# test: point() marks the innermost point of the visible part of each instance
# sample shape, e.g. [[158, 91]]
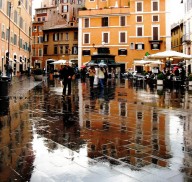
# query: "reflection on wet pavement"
[[121, 132]]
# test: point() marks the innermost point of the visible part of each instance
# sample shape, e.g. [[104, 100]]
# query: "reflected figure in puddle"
[[71, 128], [70, 116], [67, 110]]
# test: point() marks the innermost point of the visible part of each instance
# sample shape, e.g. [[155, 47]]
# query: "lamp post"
[[8, 53]]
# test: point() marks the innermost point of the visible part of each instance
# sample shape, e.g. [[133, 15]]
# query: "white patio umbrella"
[[61, 62], [156, 62], [147, 62], [141, 62], [169, 54]]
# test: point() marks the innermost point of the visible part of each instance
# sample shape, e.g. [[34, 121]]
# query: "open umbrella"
[[61, 62], [169, 54], [102, 65]]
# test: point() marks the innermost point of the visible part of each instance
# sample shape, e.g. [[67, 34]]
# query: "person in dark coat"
[[66, 74]]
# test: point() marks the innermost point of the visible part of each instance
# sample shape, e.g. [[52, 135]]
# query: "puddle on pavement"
[[125, 127]]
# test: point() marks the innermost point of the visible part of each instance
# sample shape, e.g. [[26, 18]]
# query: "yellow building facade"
[[130, 29], [15, 32]]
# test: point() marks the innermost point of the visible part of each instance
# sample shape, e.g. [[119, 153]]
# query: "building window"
[[86, 38], [40, 52], [3, 31], [21, 23], [139, 31], [40, 39], [122, 21], [75, 49], [20, 42], [55, 50], [155, 33], [75, 35], [155, 18], [8, 8], [15, 39], [105, 37], [67, 49], [86, 52], [45, 49], [139, 6], [155, 6], [7, 34], [15, 16], [122, 37], [79, 1], [65, 9], [86, 22], [1, 4], [46, 37], [67, 36], [122, 52], [105, 22], [139, 46], [61, 49], [55, 36], [139, 19], [61, 36]]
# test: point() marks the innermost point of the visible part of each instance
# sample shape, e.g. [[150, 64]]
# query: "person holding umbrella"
[[66, 74], [91, 72]]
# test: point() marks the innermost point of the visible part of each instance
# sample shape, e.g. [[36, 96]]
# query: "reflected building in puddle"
[[16, 153], [124, 130]]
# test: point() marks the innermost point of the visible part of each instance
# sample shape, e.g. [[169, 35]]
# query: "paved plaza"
[[124, 132]]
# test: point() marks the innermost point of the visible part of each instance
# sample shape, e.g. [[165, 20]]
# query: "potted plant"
[[160, 78], [38, 74]]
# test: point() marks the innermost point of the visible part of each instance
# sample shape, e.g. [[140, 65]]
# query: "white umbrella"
[[169, 54], [155, 62], [102, 64], [141, 62], [61, 61]]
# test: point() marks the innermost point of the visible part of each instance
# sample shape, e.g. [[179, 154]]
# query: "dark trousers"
[[91, 78], [67, 83]]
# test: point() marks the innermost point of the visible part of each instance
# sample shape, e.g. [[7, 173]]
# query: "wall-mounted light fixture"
[[93, 45]]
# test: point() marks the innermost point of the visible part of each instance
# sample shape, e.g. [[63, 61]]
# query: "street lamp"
[[8, 53]]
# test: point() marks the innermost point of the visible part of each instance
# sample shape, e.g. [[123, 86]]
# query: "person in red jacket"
[[66, 74]]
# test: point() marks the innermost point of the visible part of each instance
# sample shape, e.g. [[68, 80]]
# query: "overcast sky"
[[175, 9]]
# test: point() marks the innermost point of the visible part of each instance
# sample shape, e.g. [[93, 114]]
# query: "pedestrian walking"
[[101, 76], [83, 73], [66, 74], [91, 72]]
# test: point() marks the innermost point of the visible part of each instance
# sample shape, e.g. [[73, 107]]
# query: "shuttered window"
[[86, 38], [139, 6], [122, 21]]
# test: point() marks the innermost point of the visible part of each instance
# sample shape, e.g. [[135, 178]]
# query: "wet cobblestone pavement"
[[120, 133]]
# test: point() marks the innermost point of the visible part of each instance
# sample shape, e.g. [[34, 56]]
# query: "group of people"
[[101, 74], [67, 73]]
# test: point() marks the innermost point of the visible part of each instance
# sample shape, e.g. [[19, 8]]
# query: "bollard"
[[4, 106], [4, 85]]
